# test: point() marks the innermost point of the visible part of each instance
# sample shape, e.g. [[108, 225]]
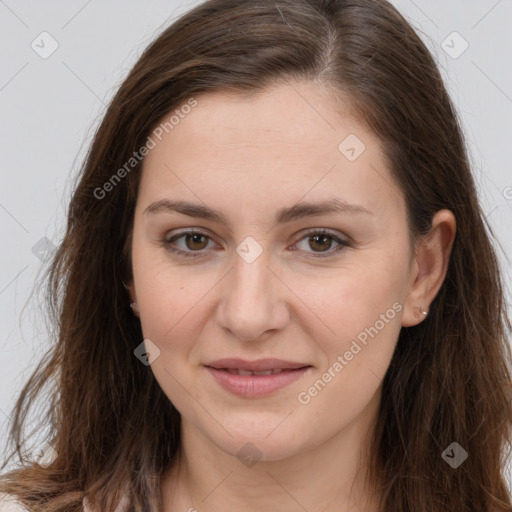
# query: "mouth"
[[240, 371], [254, 379], [258, 366]]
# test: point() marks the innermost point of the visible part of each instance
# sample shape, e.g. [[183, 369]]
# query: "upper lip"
[[260, 365]]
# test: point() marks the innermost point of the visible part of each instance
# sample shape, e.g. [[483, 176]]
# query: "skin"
[[249, 156]]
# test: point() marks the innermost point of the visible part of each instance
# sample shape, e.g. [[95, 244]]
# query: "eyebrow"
[[295, 212]]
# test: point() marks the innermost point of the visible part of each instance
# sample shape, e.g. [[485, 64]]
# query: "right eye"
[[194, 243]]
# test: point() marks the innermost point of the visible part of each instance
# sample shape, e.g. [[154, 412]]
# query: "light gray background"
[[51, 107]]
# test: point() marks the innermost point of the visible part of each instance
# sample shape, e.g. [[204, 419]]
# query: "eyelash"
[[190, 254]]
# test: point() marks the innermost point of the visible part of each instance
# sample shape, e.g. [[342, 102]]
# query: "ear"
[[133, 297], [428, 270]]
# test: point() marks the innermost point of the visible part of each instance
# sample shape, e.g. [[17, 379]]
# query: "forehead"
[[284, 143], [302, 114]]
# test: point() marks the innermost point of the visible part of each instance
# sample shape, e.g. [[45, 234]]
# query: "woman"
[[277, 289]]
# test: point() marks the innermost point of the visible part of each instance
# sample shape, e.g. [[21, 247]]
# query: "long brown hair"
[[113, 428]]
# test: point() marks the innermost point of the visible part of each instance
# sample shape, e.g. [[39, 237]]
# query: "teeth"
[[239, 371]]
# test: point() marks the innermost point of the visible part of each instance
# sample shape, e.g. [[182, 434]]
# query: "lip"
[[258, 365], [255, 386]]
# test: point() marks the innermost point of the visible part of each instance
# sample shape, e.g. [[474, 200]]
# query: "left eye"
[[322, 241], [196, 242]]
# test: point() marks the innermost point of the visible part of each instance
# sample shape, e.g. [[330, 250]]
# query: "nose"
[[253, 300]]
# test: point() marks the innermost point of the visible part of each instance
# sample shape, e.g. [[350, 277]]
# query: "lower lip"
[[255, 386]]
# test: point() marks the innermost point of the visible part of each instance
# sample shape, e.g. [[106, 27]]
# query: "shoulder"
[[8, 503]]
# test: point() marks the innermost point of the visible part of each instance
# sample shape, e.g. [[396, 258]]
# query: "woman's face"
[[300, 266]]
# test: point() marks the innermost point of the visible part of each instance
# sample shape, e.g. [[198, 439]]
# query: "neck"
[[332, 477]]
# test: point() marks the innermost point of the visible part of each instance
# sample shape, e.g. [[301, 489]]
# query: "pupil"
[[322, 237], [195, 239], [322, 240]]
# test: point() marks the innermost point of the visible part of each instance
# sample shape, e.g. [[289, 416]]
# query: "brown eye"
[[194, 245], [318, 242], [193, 241]]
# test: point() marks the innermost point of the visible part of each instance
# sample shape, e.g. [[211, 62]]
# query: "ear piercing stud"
[[132, 304], [419, 309]]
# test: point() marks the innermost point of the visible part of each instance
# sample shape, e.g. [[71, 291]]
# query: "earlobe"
[[419, 312], [135, 308], [413, 315], [432, 256], [130, 287]]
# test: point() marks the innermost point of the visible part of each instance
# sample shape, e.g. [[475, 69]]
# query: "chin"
[[261, 441], [250, 451]]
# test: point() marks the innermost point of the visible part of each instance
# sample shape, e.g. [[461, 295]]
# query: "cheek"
[[170, 305], [367, 290], [356, 358], [166, 291], [344, 300]]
